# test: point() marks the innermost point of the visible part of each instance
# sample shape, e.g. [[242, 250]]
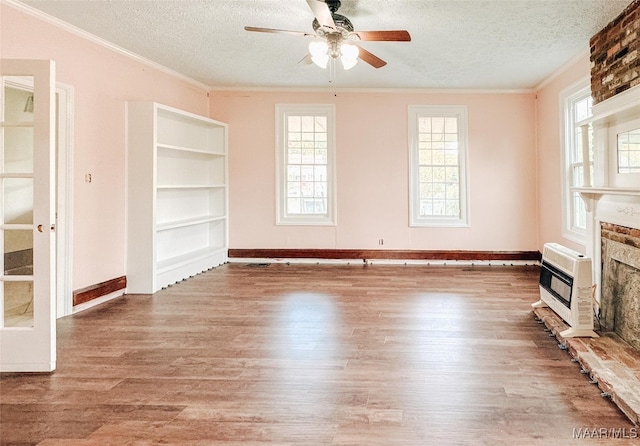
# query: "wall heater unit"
[[566, 287]]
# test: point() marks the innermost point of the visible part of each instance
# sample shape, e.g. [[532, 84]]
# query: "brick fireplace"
[[613, 200]]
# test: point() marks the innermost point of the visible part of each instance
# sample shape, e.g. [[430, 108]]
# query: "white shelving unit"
[[177, 195]]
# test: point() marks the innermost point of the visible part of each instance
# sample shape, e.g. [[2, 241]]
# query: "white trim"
[[330, 219], [334, 90], [99, 41], [566, 141], [64, 202], [460, 112]]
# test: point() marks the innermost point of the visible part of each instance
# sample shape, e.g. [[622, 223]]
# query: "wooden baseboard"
[[98, 290], [386, 254]]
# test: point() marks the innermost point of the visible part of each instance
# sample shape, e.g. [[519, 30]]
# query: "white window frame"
[[282, 113], [460, 112], [568, 98]]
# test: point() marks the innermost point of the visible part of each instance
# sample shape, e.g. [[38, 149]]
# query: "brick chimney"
[[615, 65]]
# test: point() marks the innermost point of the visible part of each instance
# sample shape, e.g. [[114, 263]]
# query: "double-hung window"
[[305, 156], [438, 175], [576, 103]]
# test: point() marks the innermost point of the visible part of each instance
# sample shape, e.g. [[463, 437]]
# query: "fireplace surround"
[[621, 282], [613, 201]]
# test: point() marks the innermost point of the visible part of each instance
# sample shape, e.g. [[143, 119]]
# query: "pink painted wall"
[[103, 81], [549, 163], [372, 172], [514, 182]]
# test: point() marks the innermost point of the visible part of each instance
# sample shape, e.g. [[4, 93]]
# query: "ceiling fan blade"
[[384, 36], [370, 58], [322, 13], [278, 31]]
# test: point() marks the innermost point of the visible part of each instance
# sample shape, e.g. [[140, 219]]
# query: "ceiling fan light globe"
[[319, 53], [349, 51], [348, 63], [320, 61], [318, 48], [349, 55]]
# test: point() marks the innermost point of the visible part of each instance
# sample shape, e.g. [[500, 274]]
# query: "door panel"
[[27, 174]]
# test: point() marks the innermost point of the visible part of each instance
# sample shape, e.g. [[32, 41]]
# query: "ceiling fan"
[[334, 37]]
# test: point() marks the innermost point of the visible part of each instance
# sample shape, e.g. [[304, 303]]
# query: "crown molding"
[[562, 69], [333, 90], [99, 41]]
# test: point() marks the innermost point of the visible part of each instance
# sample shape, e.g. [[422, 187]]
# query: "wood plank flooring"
[[313, 355]]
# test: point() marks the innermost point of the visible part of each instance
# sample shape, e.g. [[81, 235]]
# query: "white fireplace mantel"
[[614, 197], [591, 194]]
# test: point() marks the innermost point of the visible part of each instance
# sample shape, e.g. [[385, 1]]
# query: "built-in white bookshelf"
[[177, 221]]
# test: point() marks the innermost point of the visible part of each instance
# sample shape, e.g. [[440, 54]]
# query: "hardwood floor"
[[313, 355]]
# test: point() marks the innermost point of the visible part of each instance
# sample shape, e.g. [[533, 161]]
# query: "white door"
[[27, 216]]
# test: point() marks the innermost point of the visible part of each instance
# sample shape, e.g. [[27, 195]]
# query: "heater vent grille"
[[560, 256]]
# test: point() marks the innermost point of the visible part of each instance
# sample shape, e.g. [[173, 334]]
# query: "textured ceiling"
[[474, 44]]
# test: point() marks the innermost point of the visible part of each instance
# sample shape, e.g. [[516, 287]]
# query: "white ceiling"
[[456, 44]]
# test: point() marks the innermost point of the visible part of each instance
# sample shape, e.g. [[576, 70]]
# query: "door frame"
[[64, 191], [64, 198]]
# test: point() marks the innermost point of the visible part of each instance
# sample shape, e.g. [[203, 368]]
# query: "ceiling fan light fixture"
[[349, 55], [319, 53]]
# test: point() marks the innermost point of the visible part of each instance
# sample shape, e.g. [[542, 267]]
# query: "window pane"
[[438, 170], [293, 205], [293, 189], [451, 126], [437, 125], [576, 156], [426, 174], [307, 123], [426, 190], [307, 159], [321, 156], [307, 189], [438, 157], [295, 156], [320, 173], [424, 156], [293, 173], [424, 126], [582, 108], [308, 156], [629, 152], [578, 108], [320, 189], [578, 173], [451, 175], [294, 123], [321, 124], [453, 192], [306, 173]]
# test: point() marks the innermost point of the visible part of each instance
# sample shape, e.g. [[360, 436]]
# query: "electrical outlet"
[[381, 242]]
